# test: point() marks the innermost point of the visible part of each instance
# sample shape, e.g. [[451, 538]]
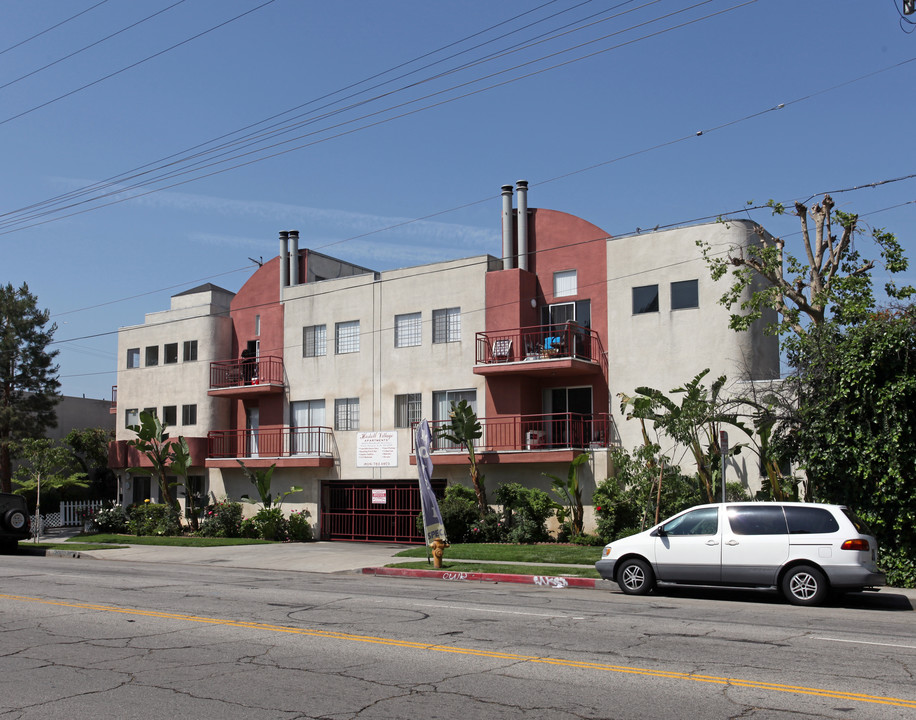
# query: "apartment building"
[[321, 367]]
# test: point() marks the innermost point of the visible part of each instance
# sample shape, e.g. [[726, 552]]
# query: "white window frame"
[[346, 337], [447, 325], [408, 330], [565, 283], [408, 409], [189, 351], [133, 357], [314, 341]]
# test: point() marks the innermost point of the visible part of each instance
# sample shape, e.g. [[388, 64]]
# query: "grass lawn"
[[565, 554], [470, 567], [167, 540]]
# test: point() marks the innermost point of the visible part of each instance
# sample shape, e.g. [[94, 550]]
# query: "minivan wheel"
[[635, 577], [804, 585], [14, 519]]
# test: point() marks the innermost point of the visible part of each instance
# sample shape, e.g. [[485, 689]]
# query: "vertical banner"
[[432, 518]]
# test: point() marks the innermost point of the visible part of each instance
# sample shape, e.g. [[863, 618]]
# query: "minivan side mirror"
[[660, 532]]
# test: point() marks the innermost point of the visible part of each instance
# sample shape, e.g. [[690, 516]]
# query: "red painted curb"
[[544, 580]]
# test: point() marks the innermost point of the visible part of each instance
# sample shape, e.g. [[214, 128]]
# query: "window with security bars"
[[447, 325], [346, 414], [408, 330], [407, 409], [314, 341], [346, 336]]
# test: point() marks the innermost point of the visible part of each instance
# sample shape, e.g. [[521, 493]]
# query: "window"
[[696, 522], [408, 330], [197, 487], [762, 520], [152, 355], [346, 337], [189, 414], [346, 414], [170, 415], [407, 409], [131, 417], [447, 325], [564, 283], [645, 299], [257, 325], [170, 353], [190, 350], [442, 407], [684, 294], [151, 411], [133, 357], [314, 341], [803, 521]]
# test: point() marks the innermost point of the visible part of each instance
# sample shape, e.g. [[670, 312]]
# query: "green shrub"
[[489, 529], [899, 565], [525, 512], [222, 519], [270, 523], [299, 529], [459, 512], [154, 519], [249, 529], [110, 520], [587, 539]]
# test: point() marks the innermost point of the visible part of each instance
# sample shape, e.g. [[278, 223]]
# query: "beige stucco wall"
[[666, 349]]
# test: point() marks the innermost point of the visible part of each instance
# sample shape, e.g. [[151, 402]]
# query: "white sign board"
[[377, 449], [379, 497]]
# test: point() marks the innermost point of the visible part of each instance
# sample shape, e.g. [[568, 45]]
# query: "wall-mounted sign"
[[379, 497], [377, 449]]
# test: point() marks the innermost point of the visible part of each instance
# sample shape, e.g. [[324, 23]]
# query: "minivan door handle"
[[733, 542], [712, 542]]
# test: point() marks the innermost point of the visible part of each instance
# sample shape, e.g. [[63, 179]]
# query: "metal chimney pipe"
[[521, 188], [294, 257], [284, 260], [508, 255]]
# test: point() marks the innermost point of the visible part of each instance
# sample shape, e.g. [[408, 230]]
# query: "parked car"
[[803, 549], [14, 520]]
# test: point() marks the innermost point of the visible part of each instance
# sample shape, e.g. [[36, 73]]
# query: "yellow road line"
[[581, 665]]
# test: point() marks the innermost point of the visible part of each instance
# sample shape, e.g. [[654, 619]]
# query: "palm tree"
[[463, 429]]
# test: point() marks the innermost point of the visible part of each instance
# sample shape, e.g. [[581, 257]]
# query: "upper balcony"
[[245, 377], [283, 446], [551, 437], [567, 349]]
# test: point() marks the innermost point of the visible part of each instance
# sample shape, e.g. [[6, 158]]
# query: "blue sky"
[[597, 104]]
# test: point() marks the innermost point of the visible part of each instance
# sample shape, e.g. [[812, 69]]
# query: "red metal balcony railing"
[[247, 371], [541, 342], [551, 431], [271, 442]]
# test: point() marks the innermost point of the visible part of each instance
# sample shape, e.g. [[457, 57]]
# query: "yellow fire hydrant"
[[438, 546]]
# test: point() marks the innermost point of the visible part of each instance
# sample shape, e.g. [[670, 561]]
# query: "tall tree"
[[28, 375], [831, 276], [45, 465]]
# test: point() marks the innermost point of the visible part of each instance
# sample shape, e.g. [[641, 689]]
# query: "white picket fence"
[[72, 511]]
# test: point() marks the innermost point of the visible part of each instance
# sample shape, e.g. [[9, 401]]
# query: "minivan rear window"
[[810, 520], [757, 520], [860, 525]]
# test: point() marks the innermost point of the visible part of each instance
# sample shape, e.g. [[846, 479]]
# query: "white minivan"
[[804, 549]]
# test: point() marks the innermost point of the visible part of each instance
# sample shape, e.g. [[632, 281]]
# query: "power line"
[[46, 30]]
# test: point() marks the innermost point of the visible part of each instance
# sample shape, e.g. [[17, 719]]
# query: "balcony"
[[285, 446], [552, 437], [246, 377], [566, 349]]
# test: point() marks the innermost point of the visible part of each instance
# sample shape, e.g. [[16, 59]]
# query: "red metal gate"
[[372, 510]]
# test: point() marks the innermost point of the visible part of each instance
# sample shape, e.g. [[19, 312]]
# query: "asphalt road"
[[95, 639]]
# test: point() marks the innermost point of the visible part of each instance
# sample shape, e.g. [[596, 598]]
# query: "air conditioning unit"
[[534, 439]]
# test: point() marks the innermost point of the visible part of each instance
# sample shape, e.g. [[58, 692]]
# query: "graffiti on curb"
[[556, 582], [455, 576]]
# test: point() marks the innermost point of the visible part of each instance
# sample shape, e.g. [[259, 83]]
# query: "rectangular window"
[[189, 414], [152, 355], [565, 283], [170, 353], [407, 409], [197, 487], [151, 411], [346, 337], [170, 414], [133, 357], [447, 325], [408, 330], [346, 414], [684, 294], [645, 299], [314, 341], [257, 325], [190, 350], [131, 417]]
